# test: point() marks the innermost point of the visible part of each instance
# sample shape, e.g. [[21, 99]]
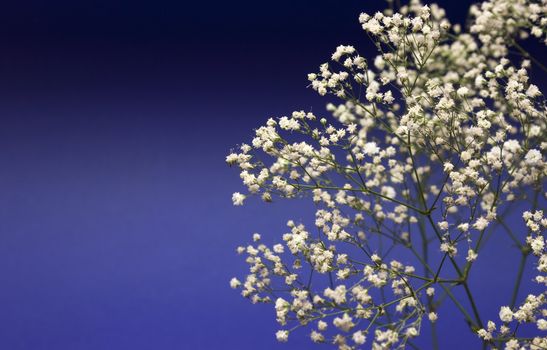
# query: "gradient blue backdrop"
[[116, 224]]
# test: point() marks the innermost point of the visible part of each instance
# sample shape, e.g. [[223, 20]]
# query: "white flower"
[[411, 332], [506, 315], [359, 338], [425, 12], [463, 91], [372, 26], [282, 336], [533, 91], [345, 323], [443, 225], [537, 244], [471, 255], [388, 97], [533, 157], [484, 334], [342, 50], [234, 283], [278, 248], [464, 227], [536, 31], [321, 325], [238, 198], [317, 337], [447, 167], [288, 123], [481, 223], [338, 295], [449, 248], [465, 156], [371, 148], [232, 158]]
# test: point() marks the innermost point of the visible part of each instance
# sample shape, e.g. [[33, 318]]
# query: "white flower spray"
[[436, 139]]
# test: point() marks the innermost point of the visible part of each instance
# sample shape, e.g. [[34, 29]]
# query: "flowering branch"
[[432, 145]]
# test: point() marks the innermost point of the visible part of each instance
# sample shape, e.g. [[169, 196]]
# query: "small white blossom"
[[234, 283], [506, 315], [238, 198], [282, 336]]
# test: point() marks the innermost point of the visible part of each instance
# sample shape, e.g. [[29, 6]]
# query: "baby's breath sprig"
[[435, 141]]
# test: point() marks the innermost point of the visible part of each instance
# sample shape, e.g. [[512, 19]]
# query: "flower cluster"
[[432, 145], [533, 310], [352, 308]]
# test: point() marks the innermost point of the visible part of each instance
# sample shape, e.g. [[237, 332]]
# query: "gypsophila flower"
[[481, 223], [344, 323], [234, 283], [471, 255], [317, 337], [282, 335], [359, 338], [506, 315], [433, 143], [238, 198]]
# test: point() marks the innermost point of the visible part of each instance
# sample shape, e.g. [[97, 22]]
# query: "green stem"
[[446, 289], [522, 264], [434, 337], [473, 305]]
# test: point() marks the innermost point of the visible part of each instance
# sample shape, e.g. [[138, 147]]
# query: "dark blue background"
[[116, 224]]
